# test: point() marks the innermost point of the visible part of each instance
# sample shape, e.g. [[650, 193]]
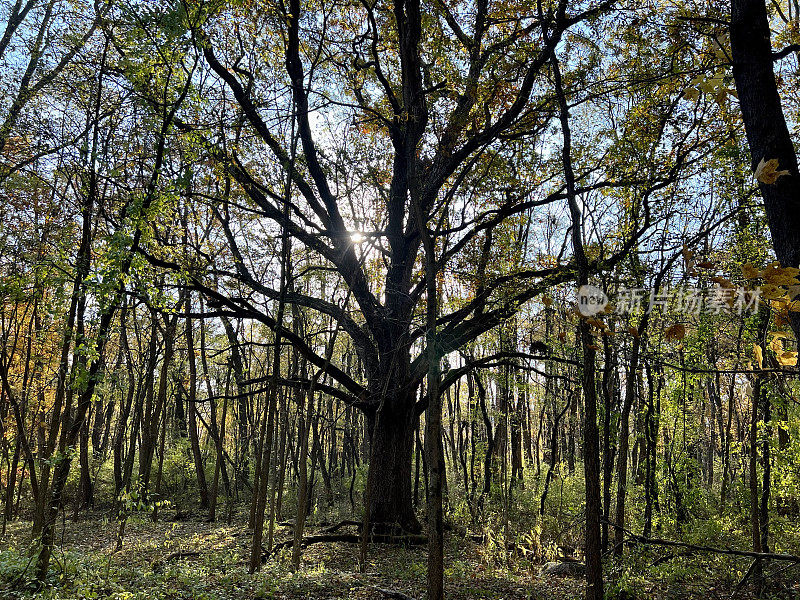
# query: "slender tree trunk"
[[160, 470], [433, 419], [487, 461], [194, 439], [304, 426], [85, 496], [609, 449], [766, 470], [753, 477], [591, 442], [726, 452], [624, 434]]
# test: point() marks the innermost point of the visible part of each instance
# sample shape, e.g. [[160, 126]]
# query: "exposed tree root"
[[341, 524]]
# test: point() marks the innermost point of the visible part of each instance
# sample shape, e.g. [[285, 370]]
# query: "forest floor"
[[208, 561]]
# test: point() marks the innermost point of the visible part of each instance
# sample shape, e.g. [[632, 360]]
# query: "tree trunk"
[[85, 497], [591, 435], [304, 425], [624, 436], [609, 448], [194, 440], [390, 498], [147, 443], [755, 525], [766, 483], [765, 125]]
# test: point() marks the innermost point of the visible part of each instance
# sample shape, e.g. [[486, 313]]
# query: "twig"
[[180, 555], [746, 576], [670, 556], [390, 593], [700, 548]]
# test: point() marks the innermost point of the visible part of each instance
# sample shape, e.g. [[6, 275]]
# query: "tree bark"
[[624, 434], [765, 126], [392, 441], [194, 439], [591, 435], [755, 525]]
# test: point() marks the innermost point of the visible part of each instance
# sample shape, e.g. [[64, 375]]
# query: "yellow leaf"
[[779, 304], [759, 354], [767, 172], [781, 276], [691, 93], [749, 271], [722, 282], [771, 292], [720, 95], [787, 359]]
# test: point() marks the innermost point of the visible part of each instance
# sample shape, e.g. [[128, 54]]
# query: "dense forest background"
[[399, 298]]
